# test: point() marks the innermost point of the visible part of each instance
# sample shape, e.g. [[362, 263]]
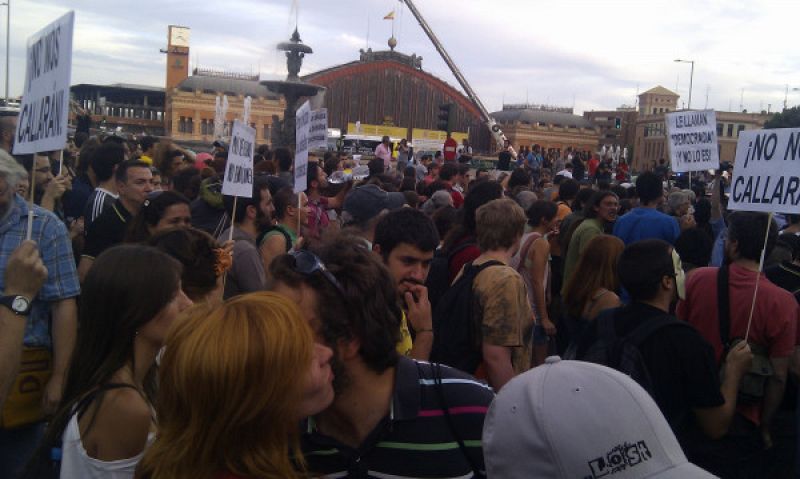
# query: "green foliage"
[[789, 118]]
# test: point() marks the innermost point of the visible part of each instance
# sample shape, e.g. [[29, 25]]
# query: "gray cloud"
[[548, 51]]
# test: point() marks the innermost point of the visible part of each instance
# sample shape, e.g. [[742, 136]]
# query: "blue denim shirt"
[[55, 248]]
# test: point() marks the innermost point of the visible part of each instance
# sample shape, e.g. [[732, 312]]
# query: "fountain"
[[292, 90]]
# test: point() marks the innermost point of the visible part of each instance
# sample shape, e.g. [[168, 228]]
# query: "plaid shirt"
[[55, 247]]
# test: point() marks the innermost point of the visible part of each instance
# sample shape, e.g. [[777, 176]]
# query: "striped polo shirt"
[[415, 440]]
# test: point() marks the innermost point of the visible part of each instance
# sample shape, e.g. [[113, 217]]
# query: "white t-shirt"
[[77, 464]]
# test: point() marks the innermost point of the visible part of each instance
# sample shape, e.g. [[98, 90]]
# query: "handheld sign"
[[318, 139], [42, 123], [239, 169], [692, 137], [302, 131], [766, 176]]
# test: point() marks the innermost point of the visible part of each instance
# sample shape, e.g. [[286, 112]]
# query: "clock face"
[[179, 37], [20, 304]]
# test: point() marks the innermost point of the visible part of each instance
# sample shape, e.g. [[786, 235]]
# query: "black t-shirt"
[[107, 230], [504, 160], [787, 276], [680, 362]]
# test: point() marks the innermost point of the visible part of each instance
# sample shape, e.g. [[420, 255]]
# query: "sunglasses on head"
[[307, 263]]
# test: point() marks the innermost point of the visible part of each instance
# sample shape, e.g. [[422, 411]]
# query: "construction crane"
[[497, 133]]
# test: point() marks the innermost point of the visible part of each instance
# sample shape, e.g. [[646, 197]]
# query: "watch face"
[[20, 304]]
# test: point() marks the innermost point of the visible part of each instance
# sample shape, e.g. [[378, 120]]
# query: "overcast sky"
[[590, 54]]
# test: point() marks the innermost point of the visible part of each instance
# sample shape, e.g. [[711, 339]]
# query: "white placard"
[[766, 176], [302, 131], [692, 137], [318, 135], [42, 122], [239, 169]]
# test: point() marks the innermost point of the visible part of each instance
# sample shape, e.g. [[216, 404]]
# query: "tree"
[[789, 118]]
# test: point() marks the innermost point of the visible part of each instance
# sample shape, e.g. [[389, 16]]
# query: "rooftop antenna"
[[741, 101], [708, 87], [636, 98]]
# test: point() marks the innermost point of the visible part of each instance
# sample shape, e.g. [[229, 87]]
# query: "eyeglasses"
[[307, 263]]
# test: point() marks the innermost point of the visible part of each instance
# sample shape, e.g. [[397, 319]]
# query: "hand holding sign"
[[42, 123], [238, 179]]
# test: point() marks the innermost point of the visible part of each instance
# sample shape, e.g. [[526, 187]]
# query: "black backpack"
[[622, 352], [456, 333], [438, 280]]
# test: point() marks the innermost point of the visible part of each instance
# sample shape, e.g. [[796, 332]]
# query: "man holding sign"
[[249, 205], [51, 320], [737, 302], [52, 315]]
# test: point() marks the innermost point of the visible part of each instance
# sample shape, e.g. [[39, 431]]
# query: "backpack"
[[753, 385], [456, 333], [622, 352], [438, 280], [272, 228]]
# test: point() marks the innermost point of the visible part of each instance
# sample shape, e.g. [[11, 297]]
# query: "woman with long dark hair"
[[130, 298], [461, 243], [594, 285], [162, 210]]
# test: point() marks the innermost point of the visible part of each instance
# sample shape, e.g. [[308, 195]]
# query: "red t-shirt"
[[464, 256], [774, 320], [593, 164]]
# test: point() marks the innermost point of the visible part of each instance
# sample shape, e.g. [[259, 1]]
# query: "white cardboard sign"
[[692, 137], [318, 135], [239, 169], [302, 131], [766, 176], [42, 122]]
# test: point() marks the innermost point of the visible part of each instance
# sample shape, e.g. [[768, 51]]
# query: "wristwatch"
[[20, 305]]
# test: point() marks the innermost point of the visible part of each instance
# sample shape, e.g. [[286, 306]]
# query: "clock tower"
[[177, 55]]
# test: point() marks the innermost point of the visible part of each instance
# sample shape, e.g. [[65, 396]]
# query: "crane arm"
[[494, 128]]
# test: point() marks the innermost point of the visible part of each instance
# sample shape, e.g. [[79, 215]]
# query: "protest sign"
[[692, 137], [42, 123], [302, 131], [318, 135], [766, 176], [239, 168]]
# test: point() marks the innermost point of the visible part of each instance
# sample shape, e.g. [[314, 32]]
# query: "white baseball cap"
[[573, 419]]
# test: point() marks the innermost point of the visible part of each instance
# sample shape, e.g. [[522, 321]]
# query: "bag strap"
[[523, 252], [437, 379], [473, 269], [724, 306], [84, 403]]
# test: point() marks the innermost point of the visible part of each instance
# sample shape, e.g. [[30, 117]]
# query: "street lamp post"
[[691, 79], [7, 4], [786, 96]]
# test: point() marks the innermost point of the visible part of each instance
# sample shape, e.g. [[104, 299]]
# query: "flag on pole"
[[389, 16]]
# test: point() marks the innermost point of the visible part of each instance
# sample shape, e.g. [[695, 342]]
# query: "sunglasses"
[[307, 263]]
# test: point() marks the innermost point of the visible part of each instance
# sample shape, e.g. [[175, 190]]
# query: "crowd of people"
[[404, 325]]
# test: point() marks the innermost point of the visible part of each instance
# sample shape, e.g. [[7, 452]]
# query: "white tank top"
[[76, 463]]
